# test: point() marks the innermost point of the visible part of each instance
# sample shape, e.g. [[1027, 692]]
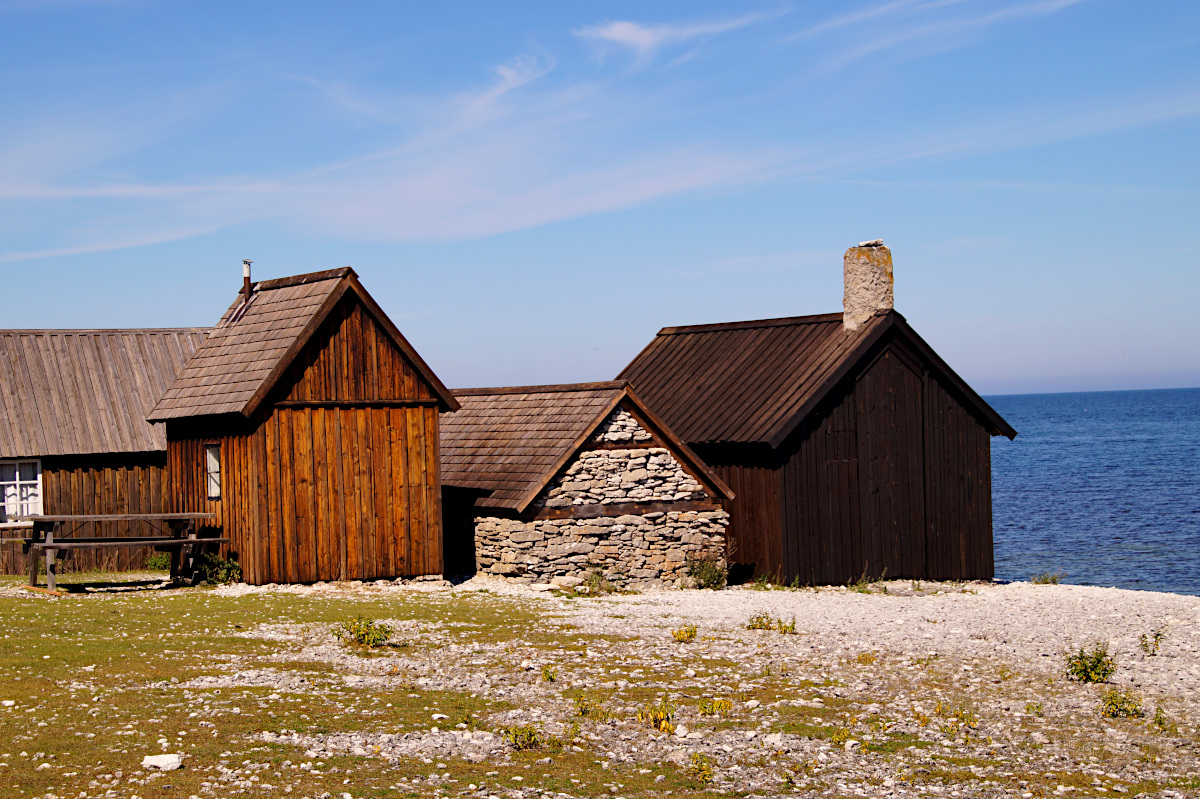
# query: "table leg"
[[33, 562], [51, 582]]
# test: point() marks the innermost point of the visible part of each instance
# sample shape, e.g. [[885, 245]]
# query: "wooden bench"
[[51, 534]]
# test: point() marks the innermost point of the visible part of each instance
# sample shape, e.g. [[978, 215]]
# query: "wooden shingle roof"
[[76, 392], [754, 382], [511, 442], [254, 343]]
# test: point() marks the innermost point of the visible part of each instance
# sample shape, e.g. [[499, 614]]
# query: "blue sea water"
[[1101, 486]]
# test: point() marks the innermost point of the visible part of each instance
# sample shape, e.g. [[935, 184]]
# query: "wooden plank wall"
[[755, 537], [92, 484], [332, 483], [892, 473]]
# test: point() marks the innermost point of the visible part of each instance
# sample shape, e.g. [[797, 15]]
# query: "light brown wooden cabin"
[[324, 423]]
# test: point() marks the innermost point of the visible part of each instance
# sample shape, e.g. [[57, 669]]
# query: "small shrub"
[[658, 716], [1047, 578], [708, 571], [1118, 705], [715, 707], [916, 585], [839, 736], [363, 632], [1034, 709], [597, 583], [685, 635], [786, 628], [158, 562], [862, 585], [762, 621], [1094, 666], [1162, 723], [1151, 643], [218, 571], [867, 658], [549, 673], [700, 768], [921, 718], [1005, 673], [590, 708], [523, 737]]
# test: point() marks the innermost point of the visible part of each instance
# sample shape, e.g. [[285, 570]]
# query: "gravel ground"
[[899, 689]]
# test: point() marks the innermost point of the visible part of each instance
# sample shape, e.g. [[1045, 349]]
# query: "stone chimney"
[[868, 274]]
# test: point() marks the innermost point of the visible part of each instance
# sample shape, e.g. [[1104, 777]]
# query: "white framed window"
[[20, 488], [212, 469]]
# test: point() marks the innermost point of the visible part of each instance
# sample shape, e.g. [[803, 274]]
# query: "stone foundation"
[[628, 550], [651, 547]]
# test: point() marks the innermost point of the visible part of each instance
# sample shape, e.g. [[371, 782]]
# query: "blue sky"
[[532, 190]]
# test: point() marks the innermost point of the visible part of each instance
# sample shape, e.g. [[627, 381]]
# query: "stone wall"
[[651, 547]]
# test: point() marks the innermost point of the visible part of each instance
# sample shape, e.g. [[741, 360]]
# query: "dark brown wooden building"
[[73, 432], [309, 426], [851, 446]]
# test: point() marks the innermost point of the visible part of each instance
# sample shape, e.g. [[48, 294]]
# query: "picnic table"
[[51, 534]]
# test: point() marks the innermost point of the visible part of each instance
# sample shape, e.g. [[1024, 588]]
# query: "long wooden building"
[[309, 426], [73, 432], [851, 446]]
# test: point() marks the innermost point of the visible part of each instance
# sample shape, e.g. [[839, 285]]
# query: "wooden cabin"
[[73, 432], [309, 426], [852, 447], [558, 482]]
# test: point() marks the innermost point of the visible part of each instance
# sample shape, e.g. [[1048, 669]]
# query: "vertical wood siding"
[[344, 490], [892, 473], [92, 484]]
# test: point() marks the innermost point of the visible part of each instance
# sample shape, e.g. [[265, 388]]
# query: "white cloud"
[[646, 39]]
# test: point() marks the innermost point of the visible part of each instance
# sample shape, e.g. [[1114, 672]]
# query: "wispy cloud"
[[941, 24], [645, 40]]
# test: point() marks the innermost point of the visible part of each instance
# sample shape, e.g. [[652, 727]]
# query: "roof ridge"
[[751, 324], [300, 280], [93, 330], [546, 389]]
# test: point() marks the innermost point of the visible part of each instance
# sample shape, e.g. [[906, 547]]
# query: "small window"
[[212, 469], [20, 489]]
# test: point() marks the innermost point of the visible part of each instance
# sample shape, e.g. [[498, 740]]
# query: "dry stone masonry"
[[649, 547]]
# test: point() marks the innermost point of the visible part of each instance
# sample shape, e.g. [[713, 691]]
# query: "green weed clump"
[[685, 635], [708, 571], [1047, 578], [1162, 724], [1151, 643], [590, 708], [549, 673], [158, 562], [523, 737], [839, 736], [658, 716], [218, 571], [1121, 705], [786, 627], [866, 658], [715, 707], [597, 583], [1034, 709], [363, 632], [761, 621], [1005, 673], [1094, 666], [700, 768]]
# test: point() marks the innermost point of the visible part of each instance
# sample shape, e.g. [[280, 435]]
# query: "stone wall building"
[[556, 483]]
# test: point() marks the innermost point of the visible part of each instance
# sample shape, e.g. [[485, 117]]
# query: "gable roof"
[[511, 442], [78, 392], [755, 382], [254, 343]]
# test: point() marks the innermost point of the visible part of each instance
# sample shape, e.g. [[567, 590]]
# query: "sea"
[[1102, 488]]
